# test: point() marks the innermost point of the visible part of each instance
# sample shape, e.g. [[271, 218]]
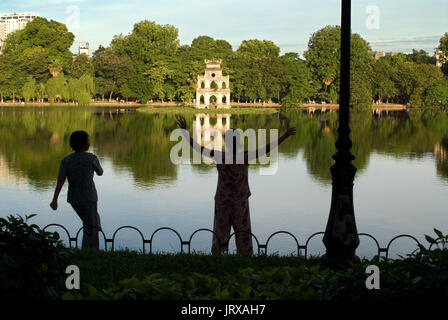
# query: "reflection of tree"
[[33, 141], [139, 144]]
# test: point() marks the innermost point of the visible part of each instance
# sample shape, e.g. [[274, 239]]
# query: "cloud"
[[415, 39]]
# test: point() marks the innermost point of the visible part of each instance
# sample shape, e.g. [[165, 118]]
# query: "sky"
[[388, 25]]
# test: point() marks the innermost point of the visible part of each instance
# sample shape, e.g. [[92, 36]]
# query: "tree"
[[55, 67], [157, 74], [323, 58], [414, 79], [33, 62], [81, 89], [29, 89], [185, 94], [205, 47], [113, 70], [297, 84], [384, 86], [51, 36], [140, 85], [57, 89], [436, 96], [126, 92], [421, 56], [81, 65], [257, 49], [6, 75], [443, 46], [257, 70], [41, 92], [148, 43]]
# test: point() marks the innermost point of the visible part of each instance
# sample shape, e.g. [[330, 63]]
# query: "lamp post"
[[341, 236]]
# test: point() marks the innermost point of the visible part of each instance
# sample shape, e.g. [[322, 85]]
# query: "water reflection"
[[135, 148], [203, 124], [33, 141]]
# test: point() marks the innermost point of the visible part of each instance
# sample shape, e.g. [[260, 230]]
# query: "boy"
[[79, 168]]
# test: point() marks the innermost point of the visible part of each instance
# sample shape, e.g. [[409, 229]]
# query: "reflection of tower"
[[441, 158], [205, 130], [440, 152], [212, 87]]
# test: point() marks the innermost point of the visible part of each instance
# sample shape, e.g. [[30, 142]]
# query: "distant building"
[[391, 53], [84, 48], [440, 57], [213, 89], [10, 22], [377, 54]]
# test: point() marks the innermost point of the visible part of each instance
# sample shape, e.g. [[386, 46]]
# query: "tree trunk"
[[110, 97]]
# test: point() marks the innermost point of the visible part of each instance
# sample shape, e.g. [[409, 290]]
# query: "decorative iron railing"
[[262, 248]]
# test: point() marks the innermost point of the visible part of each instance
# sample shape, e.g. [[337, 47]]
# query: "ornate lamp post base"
[[341, 235]]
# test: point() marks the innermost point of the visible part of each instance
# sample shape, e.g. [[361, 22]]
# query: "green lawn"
[[238, 110], [100, 268]]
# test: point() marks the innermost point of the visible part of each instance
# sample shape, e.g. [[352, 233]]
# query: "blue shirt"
[[79, 168]]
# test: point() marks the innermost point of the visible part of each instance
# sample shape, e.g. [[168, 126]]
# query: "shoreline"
[[114, 104]]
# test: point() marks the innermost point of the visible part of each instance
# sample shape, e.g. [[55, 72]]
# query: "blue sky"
[[403, 24]]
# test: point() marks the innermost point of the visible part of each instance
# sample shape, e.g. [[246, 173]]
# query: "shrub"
[[422, 275], [32, 261]]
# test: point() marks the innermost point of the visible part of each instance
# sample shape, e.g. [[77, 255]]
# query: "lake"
[[401, 185]]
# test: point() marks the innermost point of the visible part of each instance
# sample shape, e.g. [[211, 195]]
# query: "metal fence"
[[262, 248]]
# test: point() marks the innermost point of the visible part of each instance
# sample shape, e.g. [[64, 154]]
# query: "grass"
[[131, 275], [101, 268], [186, 109]]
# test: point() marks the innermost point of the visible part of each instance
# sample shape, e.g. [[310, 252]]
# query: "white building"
[[84, 48], [10, 22], [212, 90]]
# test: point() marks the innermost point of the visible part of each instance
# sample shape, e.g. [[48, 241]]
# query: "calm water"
[[401, 185]]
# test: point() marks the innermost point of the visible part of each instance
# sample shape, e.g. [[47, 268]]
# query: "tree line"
[[149, 64]]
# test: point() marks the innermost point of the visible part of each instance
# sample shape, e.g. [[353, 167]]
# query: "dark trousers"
[[91, 222]]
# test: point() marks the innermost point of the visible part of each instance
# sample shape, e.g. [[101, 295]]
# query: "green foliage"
[[420, 275], [149, 64], [111, 70], [443, 45], [436, 96], [148, 43], [32, 261], [29, 89], [81, 89], [297, 83], [42, 41], [323, 58], [421, 57], [186, 94], [81, 65], [57, 89]]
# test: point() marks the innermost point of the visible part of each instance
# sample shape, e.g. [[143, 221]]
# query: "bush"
[[422, 275], [32, 261]]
